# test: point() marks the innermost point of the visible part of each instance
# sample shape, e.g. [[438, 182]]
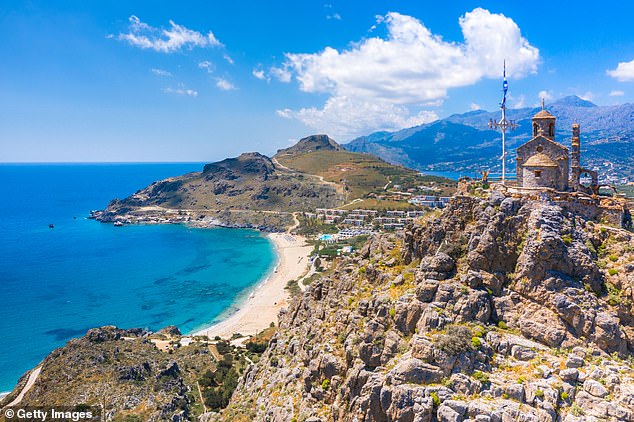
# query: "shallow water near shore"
[[57, 283]]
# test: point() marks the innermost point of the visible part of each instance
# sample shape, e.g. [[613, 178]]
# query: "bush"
[[564, 395], [476, 342], [223, 347], [539, 394], [435, 398], [613, 271], [325, 384], [208, 379], [613, 258], [479, 331], [567, 239], [457, 340], [481, 376], [257, 347], [503, 325]]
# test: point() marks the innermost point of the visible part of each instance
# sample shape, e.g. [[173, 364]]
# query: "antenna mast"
[[503, 124]]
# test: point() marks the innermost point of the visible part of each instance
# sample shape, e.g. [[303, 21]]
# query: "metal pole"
[[503, 145]]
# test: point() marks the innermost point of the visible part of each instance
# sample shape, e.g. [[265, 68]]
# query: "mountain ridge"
[[607, 133]]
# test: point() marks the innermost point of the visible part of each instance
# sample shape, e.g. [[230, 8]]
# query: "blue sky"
[[199, 81]]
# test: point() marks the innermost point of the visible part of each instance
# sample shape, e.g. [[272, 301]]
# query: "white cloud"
[[624, 72], [181, 91], [343, 116], [224, 84], [282, 74], [546, 95], [391, 78], [259, 74], [335, 16], [520, 102], [474, 107], [164, 40], [161, 72], [207, 65], [228, 58], [616, 93]]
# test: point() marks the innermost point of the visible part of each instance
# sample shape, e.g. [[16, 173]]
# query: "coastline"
[[256, 312]]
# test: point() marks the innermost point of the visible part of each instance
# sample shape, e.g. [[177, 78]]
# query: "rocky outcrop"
[[123, 372], [498, 309]]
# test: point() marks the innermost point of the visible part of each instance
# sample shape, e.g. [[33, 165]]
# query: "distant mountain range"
[[464, 142]]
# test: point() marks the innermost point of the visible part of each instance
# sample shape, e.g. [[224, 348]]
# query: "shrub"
[[476, 342], [613, 271], [613, 258], [325, 384], [564, 395], [257, 347], [457, 340], [479, 331], [503, 325], [435, 398], [481, 376], [539, 394], [567, 239], [392, 312], [575, 410]]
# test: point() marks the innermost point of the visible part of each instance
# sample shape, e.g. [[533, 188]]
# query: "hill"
[[311, 144], [246, 191], [253, 190], [360, 175], [464, 142]]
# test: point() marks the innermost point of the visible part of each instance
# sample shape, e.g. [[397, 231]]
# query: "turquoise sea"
[[57, 283]]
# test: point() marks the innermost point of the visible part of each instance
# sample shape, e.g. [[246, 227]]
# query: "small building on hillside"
[[544, 163]]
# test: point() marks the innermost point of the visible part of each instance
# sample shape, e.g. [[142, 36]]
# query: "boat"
[[118, 223], [51, 226]]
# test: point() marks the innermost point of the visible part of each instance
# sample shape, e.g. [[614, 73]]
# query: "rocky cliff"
[[497, 309]]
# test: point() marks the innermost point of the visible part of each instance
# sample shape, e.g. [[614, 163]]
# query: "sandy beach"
[[262, 307]]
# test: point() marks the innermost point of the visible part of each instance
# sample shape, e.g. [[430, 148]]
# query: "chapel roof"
[[543, 114], [540, 160]]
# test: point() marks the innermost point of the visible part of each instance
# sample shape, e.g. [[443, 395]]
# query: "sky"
[[159, 81]]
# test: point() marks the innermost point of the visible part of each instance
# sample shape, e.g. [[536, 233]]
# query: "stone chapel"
[[544, 163]]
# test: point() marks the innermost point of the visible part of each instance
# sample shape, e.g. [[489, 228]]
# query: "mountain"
[[464, 142], [253, 190]]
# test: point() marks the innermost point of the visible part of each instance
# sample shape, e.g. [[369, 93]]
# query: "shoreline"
[[256, 312]]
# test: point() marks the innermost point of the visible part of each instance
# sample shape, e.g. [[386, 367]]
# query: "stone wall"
[[549, 177], [558, 153]]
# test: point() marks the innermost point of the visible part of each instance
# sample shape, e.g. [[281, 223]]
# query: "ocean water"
[[57, 283]]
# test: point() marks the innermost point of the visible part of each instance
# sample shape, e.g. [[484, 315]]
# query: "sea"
[[56, 283]]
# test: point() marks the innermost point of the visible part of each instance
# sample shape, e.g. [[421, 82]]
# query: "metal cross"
[[503, 125]]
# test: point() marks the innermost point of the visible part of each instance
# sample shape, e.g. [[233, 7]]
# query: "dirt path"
[[295, 225], [32, 378]]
